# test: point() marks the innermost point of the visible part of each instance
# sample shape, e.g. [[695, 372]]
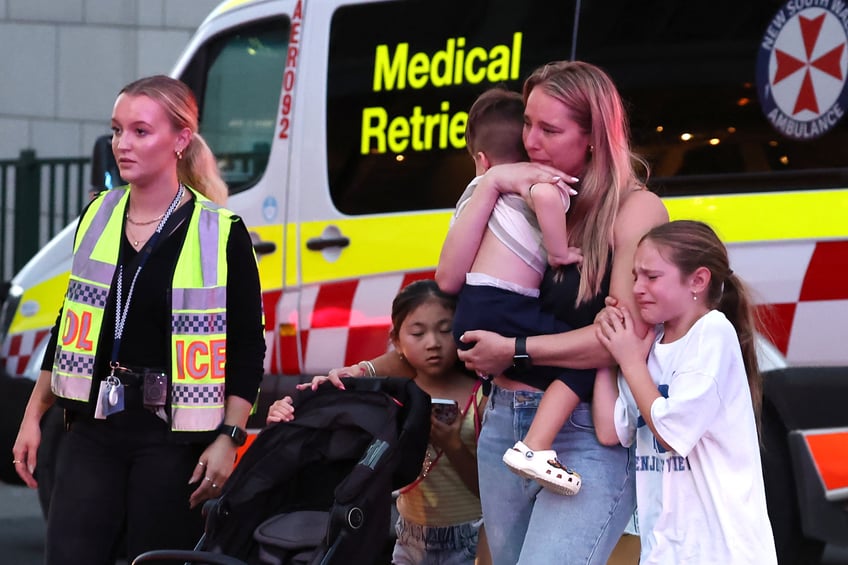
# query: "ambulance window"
[[687, 71], [401, 78], [236, 78]]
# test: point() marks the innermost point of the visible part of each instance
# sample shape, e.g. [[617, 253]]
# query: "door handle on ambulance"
[[331, 240], [261, 247], [264, 247], [321, 243], [330, 243]]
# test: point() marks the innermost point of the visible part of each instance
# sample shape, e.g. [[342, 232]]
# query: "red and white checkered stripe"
[[340, 323], [798, 285], [18, 349], [805, 294]]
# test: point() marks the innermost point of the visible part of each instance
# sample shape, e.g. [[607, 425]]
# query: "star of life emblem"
[[802, 66]]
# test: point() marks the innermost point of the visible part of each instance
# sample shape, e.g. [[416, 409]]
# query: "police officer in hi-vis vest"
[[158, 351]]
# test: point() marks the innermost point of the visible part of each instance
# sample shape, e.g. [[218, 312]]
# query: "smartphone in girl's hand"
[[445, 410]]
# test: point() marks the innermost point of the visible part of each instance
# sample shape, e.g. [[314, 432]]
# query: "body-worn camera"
[[155, 389]]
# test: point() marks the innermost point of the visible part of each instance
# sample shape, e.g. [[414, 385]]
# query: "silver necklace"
[[153, 221], [136, 242]]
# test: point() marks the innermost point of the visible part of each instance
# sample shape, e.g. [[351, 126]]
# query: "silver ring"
[[207, 479], [15, 461], [214, 485], [201, 463]]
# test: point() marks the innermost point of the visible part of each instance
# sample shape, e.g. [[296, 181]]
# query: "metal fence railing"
[[38, 197]]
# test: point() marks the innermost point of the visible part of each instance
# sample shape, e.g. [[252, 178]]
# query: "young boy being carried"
[[502, 288]]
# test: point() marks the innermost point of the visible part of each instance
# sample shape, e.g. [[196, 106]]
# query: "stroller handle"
[[189, 556]]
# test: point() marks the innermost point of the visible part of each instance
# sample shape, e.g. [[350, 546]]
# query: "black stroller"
[[318, 490]]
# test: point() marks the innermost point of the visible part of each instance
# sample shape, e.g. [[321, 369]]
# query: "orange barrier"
[[829, 451]]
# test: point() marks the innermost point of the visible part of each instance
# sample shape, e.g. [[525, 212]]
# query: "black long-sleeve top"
[[146, 337]]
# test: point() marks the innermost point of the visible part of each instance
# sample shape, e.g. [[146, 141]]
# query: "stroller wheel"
[[355, 518]]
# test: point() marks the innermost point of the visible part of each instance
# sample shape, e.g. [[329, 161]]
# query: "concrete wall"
[[62, 63]]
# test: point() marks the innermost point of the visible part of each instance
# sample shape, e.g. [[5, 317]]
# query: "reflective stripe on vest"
[[199, 324], [85, 299], [198, 310]]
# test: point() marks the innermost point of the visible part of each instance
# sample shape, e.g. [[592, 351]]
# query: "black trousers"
[[118, 476]]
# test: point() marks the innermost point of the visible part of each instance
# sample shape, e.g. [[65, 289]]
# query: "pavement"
[[22, 527], [22, 530]]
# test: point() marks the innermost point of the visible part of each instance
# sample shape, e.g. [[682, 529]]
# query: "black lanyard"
[[140, 259]]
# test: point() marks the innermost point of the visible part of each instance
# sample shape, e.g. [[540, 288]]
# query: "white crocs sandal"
[[543, 467]]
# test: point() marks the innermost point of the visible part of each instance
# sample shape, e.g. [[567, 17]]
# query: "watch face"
[[522, 362], [238, 435]]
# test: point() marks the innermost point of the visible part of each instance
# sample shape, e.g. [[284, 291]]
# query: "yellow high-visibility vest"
[[198, 309]]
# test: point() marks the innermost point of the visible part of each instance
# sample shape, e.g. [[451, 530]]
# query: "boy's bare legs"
[[534, 457], [557, 404], [604, 395]]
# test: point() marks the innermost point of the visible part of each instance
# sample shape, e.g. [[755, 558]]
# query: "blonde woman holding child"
[[501, 290], [575, 131]]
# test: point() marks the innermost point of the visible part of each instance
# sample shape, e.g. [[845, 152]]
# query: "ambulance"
[[338, 125]]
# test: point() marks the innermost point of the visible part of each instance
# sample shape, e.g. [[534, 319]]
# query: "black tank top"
[[559, 297]]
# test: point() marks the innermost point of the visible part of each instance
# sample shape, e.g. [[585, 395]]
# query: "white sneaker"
[[543, 467]]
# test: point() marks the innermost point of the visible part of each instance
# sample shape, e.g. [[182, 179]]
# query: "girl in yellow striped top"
[[440, 511]]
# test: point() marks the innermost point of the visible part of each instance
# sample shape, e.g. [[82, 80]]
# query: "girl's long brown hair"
[[689, 245]]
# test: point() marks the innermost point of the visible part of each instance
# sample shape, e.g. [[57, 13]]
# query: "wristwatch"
[[521, 360], [235, 433]]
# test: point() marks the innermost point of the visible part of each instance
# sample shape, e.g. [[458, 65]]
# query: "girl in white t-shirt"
[[690, 394]]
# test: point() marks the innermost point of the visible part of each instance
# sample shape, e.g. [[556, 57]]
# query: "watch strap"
[[521, 360], [235, 433], [521, 345]]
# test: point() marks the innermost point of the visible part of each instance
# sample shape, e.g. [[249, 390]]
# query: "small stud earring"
[[179, 153], [694, 297]]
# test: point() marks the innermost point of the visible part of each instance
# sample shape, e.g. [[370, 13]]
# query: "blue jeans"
[[529, 525], [426, 545]]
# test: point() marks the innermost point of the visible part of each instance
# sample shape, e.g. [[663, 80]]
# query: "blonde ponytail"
[[198, 169]]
